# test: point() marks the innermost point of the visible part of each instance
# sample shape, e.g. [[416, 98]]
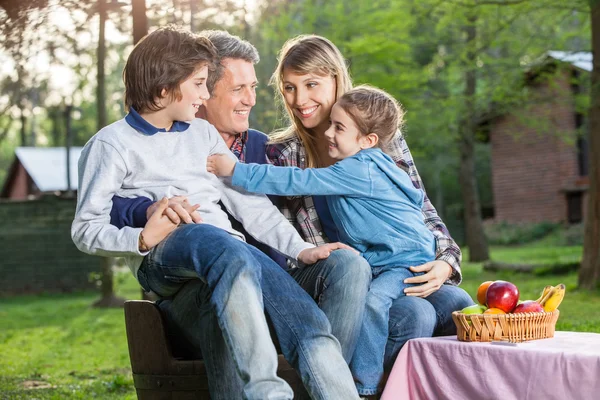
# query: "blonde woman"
[[311, 76]]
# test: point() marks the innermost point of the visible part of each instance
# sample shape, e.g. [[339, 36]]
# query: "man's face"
[[233, 97]]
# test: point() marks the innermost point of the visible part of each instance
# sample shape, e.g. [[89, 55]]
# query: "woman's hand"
[[157, 228], [435, 274], [314, 254], [179, 209], [220, 165]]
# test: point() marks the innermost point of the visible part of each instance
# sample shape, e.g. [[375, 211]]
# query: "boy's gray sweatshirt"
[[121, 161]]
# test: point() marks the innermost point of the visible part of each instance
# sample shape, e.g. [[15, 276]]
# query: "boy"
[[152, 152]]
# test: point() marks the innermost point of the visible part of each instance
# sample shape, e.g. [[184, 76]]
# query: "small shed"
[[39, 170]]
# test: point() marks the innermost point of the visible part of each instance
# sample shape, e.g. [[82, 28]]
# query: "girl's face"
[[343, 135], [310, 97]]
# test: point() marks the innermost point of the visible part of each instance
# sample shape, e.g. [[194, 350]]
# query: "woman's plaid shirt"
[[301, 212]]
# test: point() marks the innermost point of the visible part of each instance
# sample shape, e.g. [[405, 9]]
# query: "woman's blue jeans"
[[243, 284]]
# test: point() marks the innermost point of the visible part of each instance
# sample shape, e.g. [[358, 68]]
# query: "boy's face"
[[344, 138], [193, 94], [233, 97]]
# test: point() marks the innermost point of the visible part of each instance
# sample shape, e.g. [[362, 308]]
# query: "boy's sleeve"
[[129, 212], [261, 219], [446, 248], [101, 173], [348, 177]]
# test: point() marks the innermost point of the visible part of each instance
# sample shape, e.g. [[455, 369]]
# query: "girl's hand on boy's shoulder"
[[220, 165], [435, 273]]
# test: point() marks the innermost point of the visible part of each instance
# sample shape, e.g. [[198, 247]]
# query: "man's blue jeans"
[[387, 285], [240, 278], [339, 285]]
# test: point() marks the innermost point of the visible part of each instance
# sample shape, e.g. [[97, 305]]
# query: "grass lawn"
[[68, 350]]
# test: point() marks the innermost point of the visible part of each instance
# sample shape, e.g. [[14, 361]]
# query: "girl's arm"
[[446, 248], [347, 177]]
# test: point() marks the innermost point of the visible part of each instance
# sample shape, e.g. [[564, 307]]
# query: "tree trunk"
[[108, 298], [140, 20], [475, 237], [140, 29], [589, 274]]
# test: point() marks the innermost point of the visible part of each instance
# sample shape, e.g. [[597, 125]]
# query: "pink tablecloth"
[[566, 367]]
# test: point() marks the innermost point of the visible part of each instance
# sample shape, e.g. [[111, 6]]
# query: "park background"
[[497, 96]]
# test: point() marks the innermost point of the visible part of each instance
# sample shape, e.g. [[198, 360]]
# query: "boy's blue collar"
[[138, 123]]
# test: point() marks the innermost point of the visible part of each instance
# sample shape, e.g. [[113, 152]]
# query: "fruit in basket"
[[503, 295], [528, 306], [474, 309], [481, 291], [545, 294], [554, 298], [494, 311]]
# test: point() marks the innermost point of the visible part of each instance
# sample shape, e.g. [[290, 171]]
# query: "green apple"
[[474, 309]]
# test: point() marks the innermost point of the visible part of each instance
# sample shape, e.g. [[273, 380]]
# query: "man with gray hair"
[[301, 327]]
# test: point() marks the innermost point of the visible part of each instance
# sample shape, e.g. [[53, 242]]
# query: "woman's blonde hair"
[[306, 54]]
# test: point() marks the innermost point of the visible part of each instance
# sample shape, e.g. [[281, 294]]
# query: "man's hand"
[[220, 165], [436, 273], [312, 255], [179, 209], [159, 225]]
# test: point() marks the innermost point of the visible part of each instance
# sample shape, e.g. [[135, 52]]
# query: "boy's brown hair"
[[373, 111], [163, 60]]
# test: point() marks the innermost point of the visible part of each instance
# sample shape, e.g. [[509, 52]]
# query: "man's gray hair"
[[228, 46]]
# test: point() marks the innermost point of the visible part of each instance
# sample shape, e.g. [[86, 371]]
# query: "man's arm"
[[136, 212], [129, 212], [446, 248]]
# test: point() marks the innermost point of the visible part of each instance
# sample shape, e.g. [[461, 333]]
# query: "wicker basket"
[[505, 327]]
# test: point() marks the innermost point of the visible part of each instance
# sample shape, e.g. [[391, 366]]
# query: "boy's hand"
[[158, 226], [179, 209], [220, 165], [311, 256]]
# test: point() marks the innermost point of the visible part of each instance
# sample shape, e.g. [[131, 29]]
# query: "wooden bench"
[[158, 374]]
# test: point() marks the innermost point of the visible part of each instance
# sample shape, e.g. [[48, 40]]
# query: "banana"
[[545, 293], [552, 302]]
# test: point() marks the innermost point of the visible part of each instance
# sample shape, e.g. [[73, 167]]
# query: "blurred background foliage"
[[421, 51]]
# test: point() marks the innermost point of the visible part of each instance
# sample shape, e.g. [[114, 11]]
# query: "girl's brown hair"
[[373, 111], [306, 54], [163, 60]]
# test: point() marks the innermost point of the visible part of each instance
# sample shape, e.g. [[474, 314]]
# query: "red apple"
[[528, 306], [503, 295]]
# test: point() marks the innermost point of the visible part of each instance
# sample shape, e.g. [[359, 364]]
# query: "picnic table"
[[566, 366]]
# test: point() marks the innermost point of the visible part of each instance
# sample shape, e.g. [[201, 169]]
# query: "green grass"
[[81, 352], [60, 341]]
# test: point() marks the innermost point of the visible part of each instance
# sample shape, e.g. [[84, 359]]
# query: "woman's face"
[[310, 97]]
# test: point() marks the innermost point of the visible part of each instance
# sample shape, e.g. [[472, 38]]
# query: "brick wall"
[[534, 156], [36, 251]]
